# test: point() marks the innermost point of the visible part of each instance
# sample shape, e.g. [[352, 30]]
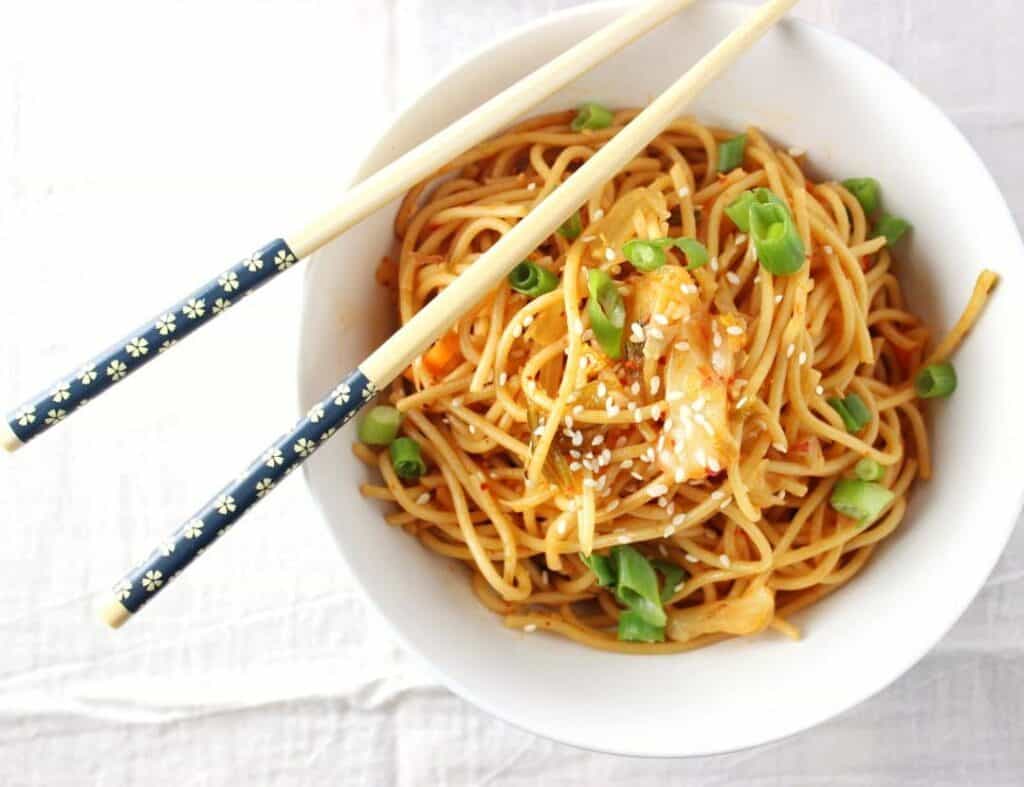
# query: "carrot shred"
[[442, 356]]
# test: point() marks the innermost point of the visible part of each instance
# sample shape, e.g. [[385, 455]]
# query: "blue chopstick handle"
[[148, 341], [214, 519]]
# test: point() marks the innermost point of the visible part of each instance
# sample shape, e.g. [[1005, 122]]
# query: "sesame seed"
[[725, 560], [577, 438], [638, 416], [661, 319], [529, 628], [663, 502], [678, 519], [597, 215], [635, 389], [779, 447], [613, 505], [689, 289], [741, 402], [778, 298], [655, 384], [679, 587], [732, 278], [683, 192], [625, 464], [575, 466], [517, 330], [690, 558], [609, 254], [655, 490], [631, 406], [828, 249], [668, 531], [680, 475], [656, 333], [682, 346], [734, 330], [568, 421], [623, 539], [790, 350], [598, 439], [713, 465], [423, 498], [602, 390], [802, 358], [588, 238], [718, 494], [528, 321], [674, 396], [714, 264], [741, 238], [668, 424], [820, 390], [717, 360], [636, 475], [502, 378], [589, 483], [717, 339]]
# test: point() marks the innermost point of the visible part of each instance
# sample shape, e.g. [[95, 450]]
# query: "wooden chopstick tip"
[[8, 439], [111, 611]]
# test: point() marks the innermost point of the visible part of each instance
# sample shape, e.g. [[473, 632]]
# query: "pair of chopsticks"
[[389, 360]]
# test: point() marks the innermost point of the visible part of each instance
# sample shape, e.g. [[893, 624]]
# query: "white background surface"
[[145, 146]]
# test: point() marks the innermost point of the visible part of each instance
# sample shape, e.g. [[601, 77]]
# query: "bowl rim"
[[361, 170]]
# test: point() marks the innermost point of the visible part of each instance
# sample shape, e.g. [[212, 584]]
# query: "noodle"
[[542, 448]]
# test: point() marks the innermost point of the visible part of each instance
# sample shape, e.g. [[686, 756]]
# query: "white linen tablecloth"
[[142, 145]]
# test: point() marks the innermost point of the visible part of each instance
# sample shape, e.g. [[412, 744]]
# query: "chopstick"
[[394, 355], [170, 326]]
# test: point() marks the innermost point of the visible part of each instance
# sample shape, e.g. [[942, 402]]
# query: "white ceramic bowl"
[[856, 116]]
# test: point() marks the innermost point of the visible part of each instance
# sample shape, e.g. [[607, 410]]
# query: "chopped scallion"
[[532, 279], [868, 193], [637, 585], [602, 567], [730, 153], [892, 228], [634, 628], [935, 381], [869, 470], [380, 426], [407, 459], [572, 228], [607, 312], [776, 239], [853, 411], [739, 210], [649, 255], [672, 575], [592, 116], [860, 500]]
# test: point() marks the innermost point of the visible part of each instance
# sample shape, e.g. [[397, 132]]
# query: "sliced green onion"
[[645, 255], [637, 585], [853, 411], [776, 240], [891, 228], [602, 567], [407, 459], [532, 279], [867, 191], [858, 411], [860, 500], [592, 116], [730, 153], [673, 575], [633, 628], [696, 253], [380, 426], [649, 255], [572, 228], [935, 381], [739, 210], [607, 312], [869, 470]]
